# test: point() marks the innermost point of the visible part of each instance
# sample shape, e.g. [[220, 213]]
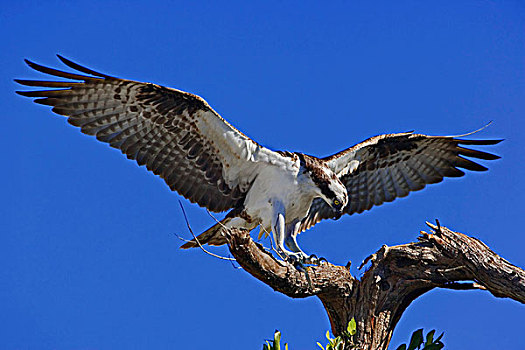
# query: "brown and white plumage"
[[175, 134], [387, 167], [179, 137]]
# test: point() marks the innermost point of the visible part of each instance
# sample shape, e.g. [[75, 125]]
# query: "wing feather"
[[391, 166], [175, 134]]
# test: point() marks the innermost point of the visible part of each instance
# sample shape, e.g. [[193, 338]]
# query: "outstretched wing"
[[386, 167], [175, 134]]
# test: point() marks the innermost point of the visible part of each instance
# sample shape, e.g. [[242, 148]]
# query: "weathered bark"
[[396, 277]]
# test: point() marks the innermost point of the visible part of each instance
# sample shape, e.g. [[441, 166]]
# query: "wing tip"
[[63, 59], [73, 76], [24, 93], [80, 68], [479, 142], [30, 63]]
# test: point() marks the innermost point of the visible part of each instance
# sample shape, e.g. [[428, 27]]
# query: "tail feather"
[[212, 236]]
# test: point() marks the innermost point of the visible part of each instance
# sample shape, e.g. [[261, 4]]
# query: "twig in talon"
[[197, 240]]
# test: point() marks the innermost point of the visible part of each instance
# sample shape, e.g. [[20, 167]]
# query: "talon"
[[312, 259]]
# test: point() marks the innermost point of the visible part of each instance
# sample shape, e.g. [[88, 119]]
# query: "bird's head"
[[327, 184], [335, 195]]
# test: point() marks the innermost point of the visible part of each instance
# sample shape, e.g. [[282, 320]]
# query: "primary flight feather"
[[179, 137]]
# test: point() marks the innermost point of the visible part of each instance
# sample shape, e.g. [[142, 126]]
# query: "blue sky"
[[88, 256]]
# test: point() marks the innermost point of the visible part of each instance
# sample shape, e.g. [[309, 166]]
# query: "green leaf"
[[319, 344], [328, 335], [430, 337], [416, 340], [277, 336], [277, 340], [402, 347], [285, 346], [352, 327]]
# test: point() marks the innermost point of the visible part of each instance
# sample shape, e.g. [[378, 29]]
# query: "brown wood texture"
[[396, 276]]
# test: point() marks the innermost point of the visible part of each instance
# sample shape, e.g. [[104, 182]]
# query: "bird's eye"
[[336, 202]]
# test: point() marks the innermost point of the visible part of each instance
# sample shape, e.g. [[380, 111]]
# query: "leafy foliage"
[[338, 343], [429, 343], [417, 341]]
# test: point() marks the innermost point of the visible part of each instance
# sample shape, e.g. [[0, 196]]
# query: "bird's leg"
[[290, 239], [291, 242], [278, 231], [280, 234]]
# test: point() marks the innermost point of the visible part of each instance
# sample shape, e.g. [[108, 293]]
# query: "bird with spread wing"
[[179, 137]]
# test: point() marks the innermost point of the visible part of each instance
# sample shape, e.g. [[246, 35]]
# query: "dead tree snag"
[[396, 276]]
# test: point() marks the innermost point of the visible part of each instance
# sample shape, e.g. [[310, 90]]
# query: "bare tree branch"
[[396, 277]]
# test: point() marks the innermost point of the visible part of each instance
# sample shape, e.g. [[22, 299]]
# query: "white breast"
[[276, 186]]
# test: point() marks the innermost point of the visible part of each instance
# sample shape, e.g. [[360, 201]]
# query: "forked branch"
[[396, 276]]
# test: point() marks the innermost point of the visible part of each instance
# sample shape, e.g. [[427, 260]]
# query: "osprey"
[[179, 137]]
